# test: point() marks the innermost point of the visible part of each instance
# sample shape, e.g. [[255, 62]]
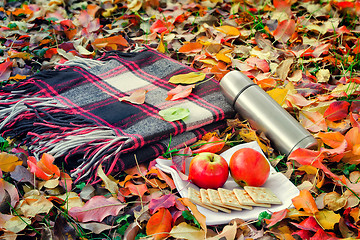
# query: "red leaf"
[[159, 26], [261, 64], [337, 110], [312, 158], [96, 209], [309, 224], [136, 189], [159, 224], [4, 70], [276, 217], [284, 30], [213, 145], [165, 201], [283, 6], [180, 92], [303, 234], [321, 235], [321, 49]]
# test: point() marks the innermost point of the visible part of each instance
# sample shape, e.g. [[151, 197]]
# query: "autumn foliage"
[[304, 54]]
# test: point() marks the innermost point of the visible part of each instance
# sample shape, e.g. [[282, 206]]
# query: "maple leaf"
[[96, 209]]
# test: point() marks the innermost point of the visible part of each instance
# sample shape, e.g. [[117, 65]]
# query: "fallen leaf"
[[228, 30], [334, 201], [331, 139], [44, 169], [8, 162], [165, 201], [276, 217], [17, 224], [109, 184], [327, 219], [313, 121], [136, 189], [159, 26], [159, 225], [229, 232], [191, 47], [5, 70], [284, 30], [35, 205], [174, 113], [186, 231], [180, 92], [305, 201], [136, 97], [96, 209], [337, 110], [187, 78], [111, 42], [96, 228], [278, 94], [22, 174], [199, 217]]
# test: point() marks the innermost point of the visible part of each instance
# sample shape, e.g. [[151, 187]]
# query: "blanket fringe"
[[49, 126]]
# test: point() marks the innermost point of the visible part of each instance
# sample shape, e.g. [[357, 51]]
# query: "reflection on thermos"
[[264, 113]]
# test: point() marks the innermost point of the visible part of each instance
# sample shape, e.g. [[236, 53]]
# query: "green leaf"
[[188, 78], [188, 216], [263, 215], [80, 185], [174, 113]]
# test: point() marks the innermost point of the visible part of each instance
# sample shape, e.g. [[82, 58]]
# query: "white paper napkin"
[[277, 182]]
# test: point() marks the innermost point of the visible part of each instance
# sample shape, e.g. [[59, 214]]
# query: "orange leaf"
[[136, 189], [305, 201], [337, 110], [332, 139], [112, 41], [159, 26], [180, 92], [192, 47], [44, 169], [284, 30], [159, 224], [228, 30], [313, 121]]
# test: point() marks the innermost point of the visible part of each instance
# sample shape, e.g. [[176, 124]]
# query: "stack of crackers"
[[227, 200]]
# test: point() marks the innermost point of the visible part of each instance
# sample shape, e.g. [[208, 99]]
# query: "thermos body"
[[264, 113]]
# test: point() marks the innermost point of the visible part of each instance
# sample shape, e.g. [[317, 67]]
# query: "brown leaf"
[[95, 227], [334, 201]]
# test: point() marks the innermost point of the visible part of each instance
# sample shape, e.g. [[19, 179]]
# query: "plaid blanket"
[[74, 112]]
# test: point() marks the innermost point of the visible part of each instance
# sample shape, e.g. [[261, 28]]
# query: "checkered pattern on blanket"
[[75, 114]]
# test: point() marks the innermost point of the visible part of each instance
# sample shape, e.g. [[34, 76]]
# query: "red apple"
[[208, 170], [249, 167]]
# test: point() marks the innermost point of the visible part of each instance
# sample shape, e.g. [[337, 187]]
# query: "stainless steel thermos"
[[264, 113]]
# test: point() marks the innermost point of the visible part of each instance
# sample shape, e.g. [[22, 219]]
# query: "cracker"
[[244, 198], [262, 195], [195, 198], [206, 200], [229, 199], [216, 200]]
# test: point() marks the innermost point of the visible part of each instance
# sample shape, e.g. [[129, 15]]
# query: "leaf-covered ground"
[[305, 54]]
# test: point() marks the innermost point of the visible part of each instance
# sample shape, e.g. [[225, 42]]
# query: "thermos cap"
[[233, 84]]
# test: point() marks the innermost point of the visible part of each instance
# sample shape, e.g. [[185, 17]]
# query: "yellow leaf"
[[71, 200], [327, 219], [278, 94], [186, 231], [223, 57], [209, 61], [8, 162], [228, 30], [17, 224], [199, 216], [188, 78], [308, 169], [161, 48], [109, 184]]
